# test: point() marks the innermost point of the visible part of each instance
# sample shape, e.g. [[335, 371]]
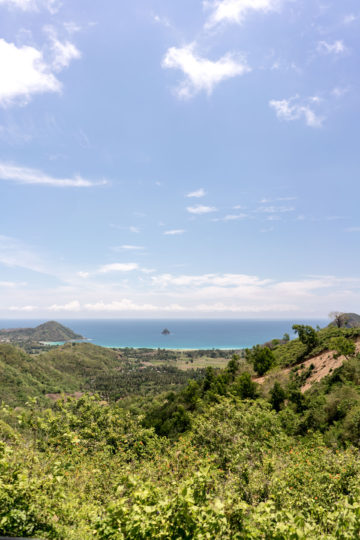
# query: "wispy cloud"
[[266, 200], [231, 217], [174, 232], [11, 284], [14, 253], [128, 247], [352, 229], [348, 19], [235, 11], [275, 209], [197, 194], [118, 267], [338, 47], [33, 5], [26, 309], [62, 52], [200, 209], [26, 175], [295, 109], [163, 21], [202, 74]]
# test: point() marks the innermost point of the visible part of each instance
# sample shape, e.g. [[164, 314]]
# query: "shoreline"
[[122, 347]]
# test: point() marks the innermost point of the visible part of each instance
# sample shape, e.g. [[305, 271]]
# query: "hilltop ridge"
[[48, 331]]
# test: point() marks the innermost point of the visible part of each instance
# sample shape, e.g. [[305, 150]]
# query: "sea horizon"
[[185, 334]]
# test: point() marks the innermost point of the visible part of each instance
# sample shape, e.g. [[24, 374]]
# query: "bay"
[[184, 333]]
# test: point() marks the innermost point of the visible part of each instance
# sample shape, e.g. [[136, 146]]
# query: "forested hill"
[[221, 457], [82, 367], [49, 331]]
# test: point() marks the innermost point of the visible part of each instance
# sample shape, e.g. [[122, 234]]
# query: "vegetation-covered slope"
[[82, 367], [221, 458], [49, 331]]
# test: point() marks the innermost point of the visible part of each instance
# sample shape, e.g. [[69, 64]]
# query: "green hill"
[[49, 331], [80, 367], [222, 458], [346, 320]]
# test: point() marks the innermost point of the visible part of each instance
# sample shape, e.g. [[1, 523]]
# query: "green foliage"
[[216, 458], [277, 396], [245, 387], [307, 336], [262, 359], [343, 346]]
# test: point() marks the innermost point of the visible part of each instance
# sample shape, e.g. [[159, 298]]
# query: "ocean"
[[184, 334]]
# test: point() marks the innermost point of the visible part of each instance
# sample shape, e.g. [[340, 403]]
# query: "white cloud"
[[200, 209], [122, 305], [339, 91], [222, 280], [284, 199], [348, 19], [189, 294], [129, 247], [231, 217], [23, 308], [33, 5], [83, 275], [163, 21], [197, 194], [293, 109], [173, 232], [25, 175], [235, 11], [338, 47], [23, 73], [26, 70], [118, 267], [10, 284], [133, 229], [70, 306], [202, 74], [62, 52], [275, 209], [353, 229]]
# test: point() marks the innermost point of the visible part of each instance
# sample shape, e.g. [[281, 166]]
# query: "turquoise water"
[[185, 334]]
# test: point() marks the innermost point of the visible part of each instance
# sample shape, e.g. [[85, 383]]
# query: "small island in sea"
[[166, 332]]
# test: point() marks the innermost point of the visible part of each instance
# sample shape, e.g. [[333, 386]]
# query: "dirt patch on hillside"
[[56, 397], [323, 363]]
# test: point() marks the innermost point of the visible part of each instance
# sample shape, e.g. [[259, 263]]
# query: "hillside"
[[49, 331], [80, 367], [221, 457], [346, 320]]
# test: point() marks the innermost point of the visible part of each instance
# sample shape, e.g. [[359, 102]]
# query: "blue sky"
[[186, 158]]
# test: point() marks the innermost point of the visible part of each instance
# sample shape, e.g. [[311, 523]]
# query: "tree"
[[245, 387], [262, 358], [339, 318], [286, 337], [277, 396], [233, 366], [307, 335], [343, 347]]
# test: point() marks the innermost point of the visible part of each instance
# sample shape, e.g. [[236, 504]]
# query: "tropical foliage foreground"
[[218, 459]]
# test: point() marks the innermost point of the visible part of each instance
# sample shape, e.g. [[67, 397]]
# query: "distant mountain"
[[346, 320], [49, 331]]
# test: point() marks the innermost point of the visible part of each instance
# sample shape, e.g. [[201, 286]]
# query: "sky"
[[193, 158]]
